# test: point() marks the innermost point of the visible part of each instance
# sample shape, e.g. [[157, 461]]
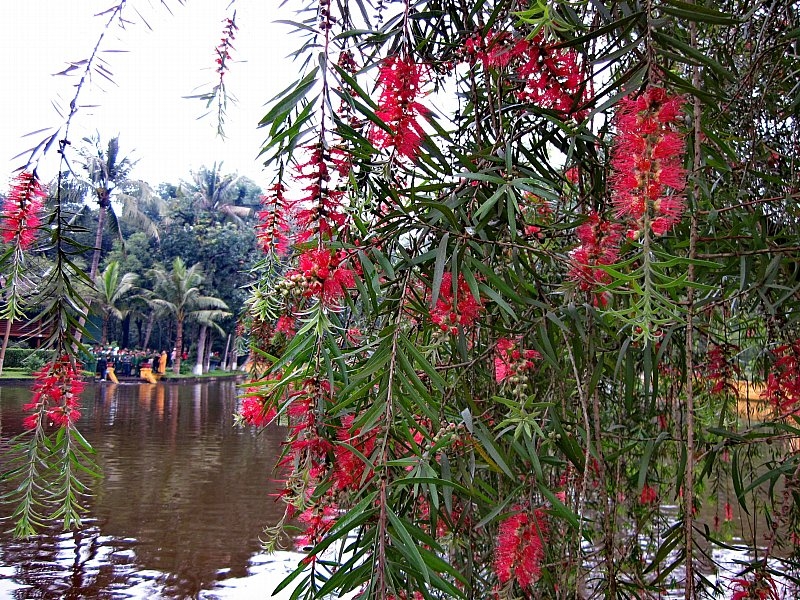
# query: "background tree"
[[177, 291], [111, 291]]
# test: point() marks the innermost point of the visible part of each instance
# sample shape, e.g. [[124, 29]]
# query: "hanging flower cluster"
[[312, 458], [721, 369], [400, 80], [324, 274], [549, 77], [762, 587], [320, 211], [512, 362], [21, 210], [455, 309], [648, 496], [273, 229], [783, 381], [600, 241], [648, 162], [254, 410], [520, 547], [56, 395], [349, 470]]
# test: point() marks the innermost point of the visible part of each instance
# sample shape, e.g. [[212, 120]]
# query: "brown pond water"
[[178, 513]]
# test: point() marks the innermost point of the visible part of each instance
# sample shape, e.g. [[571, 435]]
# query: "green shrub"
[[15, 357], [36, 360]]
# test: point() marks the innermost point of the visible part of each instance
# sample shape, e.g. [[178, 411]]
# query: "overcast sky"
[[145, 105]]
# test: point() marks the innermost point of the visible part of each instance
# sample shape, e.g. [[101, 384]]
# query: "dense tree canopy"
[[528, 302]]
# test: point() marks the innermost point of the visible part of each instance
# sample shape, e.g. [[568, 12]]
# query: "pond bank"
[[235, 376]]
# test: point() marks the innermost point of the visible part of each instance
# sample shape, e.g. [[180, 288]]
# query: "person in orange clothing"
[[162, 362]]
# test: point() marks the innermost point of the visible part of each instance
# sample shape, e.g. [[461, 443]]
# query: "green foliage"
[[34, 361], [503, 375]]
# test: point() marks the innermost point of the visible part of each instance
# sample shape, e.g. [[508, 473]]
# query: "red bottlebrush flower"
[[327, 278], [720, 369], [728, 512], [400, 80], [511, 360], [318, 520], [648, 161], [761, 588], [783, 381], [286, 325], [272, 231], [599, 246], [649, 496], [550, 77], [520, 547], [56, 394], [21, 210], [320, 210], [451, 311], [348, 468], [254, 411]]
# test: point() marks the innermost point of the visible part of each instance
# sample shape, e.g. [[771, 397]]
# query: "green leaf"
[[408, 544]]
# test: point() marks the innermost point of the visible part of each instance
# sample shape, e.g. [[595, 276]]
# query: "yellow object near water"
[[146, 373], [111, 375]]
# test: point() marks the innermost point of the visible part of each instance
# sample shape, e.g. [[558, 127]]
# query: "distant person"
[[162, 362], [102, 367]]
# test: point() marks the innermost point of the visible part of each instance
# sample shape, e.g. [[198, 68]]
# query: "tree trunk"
[[234, 356], [126, 332], [149, 330], [104, 331], [6, 335], [176, 367], [139, 333], [207, 361], [201, 347], [224, 364]]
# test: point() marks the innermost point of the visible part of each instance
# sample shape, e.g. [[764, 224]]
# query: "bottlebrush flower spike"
[[552, 78], [783, 381], [56, 394], [512, 360], [520, 547], [223, 50], [254, 411], [648, 161], [600, 241], [320, 210], [450, 311], [21, 210], [272, 231], [325, 275], [400, 80]]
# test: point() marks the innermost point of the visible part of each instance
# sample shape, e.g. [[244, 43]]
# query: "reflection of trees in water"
[[187, 490]]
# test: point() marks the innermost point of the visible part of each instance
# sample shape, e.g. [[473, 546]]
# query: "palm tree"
[[178, 292], [106, 172], [216, 194], [109, 290]]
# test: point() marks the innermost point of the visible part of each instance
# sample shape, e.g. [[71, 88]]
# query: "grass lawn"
[[15, 373]]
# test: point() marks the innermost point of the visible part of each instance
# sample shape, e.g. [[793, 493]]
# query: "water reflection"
[[183, 498]]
